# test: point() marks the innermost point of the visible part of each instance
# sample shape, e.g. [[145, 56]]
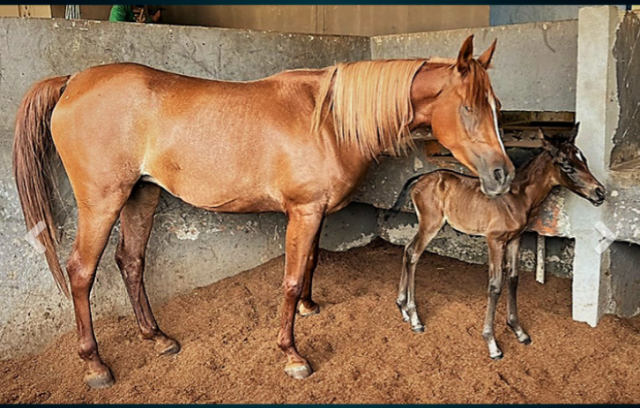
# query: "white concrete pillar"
[[597, 111]]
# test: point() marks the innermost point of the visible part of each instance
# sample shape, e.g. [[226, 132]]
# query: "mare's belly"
[[221, 197]]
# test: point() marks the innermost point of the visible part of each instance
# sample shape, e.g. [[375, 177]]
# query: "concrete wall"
[[519, 14], [622, 214], [189, 247], [535, 64], [504, 15]]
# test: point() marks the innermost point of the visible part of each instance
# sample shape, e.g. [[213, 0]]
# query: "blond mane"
[[371, 104]]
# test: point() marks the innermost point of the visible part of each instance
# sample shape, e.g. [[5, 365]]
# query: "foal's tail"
[[31, 146], [402, 198]]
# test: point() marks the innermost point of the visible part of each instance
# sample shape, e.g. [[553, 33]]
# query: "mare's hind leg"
[[136, 221], [306, 306], [512, 307], [96, 217], [496, 258], [427, 230]]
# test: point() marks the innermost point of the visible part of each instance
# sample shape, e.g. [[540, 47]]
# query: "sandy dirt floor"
[[358, 345]]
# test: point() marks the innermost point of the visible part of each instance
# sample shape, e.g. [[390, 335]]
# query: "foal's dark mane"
[[530, 172]]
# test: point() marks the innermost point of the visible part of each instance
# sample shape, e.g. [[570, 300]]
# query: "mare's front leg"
[[512, 307], [303, 226], [496, 258]]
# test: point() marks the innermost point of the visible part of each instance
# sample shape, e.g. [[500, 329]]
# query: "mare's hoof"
[[497, 357], [308, 311], [526, 341], [418, 329], [166, 346], [99, 380], [299, 371]]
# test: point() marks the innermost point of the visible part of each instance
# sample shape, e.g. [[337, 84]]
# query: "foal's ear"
[[485, 58], [573, 133], [465, 55]]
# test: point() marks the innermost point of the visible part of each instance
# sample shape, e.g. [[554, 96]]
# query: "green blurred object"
[[130, 13], [122, 13]]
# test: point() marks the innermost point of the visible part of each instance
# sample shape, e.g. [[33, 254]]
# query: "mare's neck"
[[425, 89]]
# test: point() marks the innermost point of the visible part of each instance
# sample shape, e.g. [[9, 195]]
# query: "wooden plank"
[[508, 118], [522, 137]]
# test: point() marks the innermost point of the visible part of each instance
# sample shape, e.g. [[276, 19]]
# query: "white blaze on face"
[[492, 103]]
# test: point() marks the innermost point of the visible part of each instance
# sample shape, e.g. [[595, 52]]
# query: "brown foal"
[[444, 196], [299, 142]]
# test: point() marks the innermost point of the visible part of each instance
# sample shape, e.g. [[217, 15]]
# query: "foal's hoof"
[[299, 371], [526, 341], [497, 357], [418, 329], [166, 346], [308, 310], [98, 380]]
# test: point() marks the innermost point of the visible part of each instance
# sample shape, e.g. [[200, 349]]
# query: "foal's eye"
[[468, 108], [567, 169]]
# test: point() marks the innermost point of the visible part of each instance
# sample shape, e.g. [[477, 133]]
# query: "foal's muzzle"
[[598, 196]]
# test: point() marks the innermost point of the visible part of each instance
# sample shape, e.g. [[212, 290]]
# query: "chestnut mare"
[[298, 142], [443, 196]]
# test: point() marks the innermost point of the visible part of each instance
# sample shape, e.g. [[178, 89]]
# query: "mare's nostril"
[[499, 175], [600, 193]]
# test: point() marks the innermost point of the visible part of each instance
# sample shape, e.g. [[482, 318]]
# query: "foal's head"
[[570, 168], [464, 115]]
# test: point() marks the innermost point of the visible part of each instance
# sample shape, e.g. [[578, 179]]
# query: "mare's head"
[[457, 99], [570, 168]]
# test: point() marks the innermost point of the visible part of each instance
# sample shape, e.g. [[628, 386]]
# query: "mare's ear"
[[485, 58], [465, 55]]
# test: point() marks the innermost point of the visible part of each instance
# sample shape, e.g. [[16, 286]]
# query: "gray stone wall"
[[534, 64]]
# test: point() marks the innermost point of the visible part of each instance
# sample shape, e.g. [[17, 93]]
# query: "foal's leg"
[[95, 221], [496, 257], [512, 307], [303, 226], [306, 306], [136, 221], [427, 230]]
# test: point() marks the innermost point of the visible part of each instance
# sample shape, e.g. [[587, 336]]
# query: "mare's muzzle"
[[495, 180]]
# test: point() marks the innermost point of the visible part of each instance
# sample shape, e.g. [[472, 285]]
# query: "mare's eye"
[[468, 108], [567, 168]]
